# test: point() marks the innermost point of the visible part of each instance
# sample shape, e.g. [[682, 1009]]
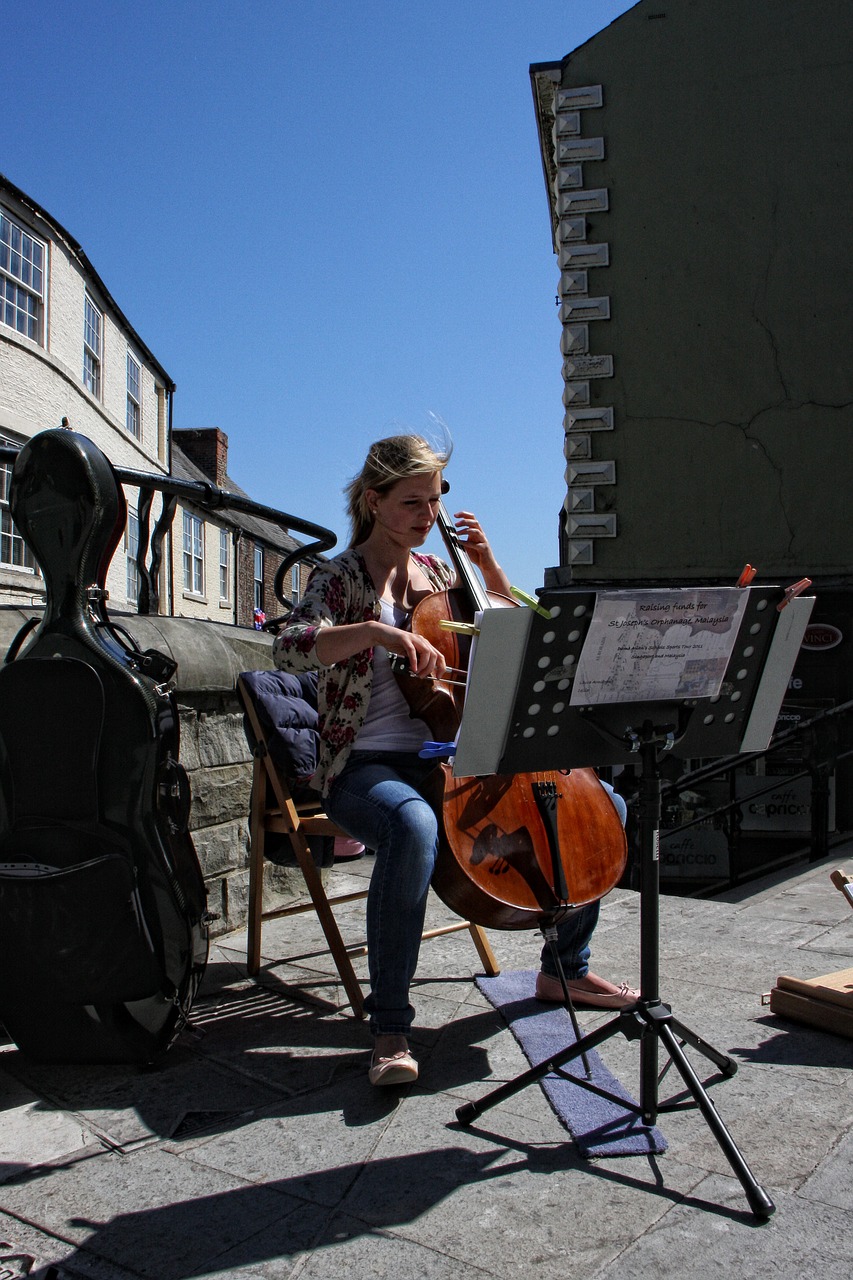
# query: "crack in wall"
[[762, 295], [748, 429]]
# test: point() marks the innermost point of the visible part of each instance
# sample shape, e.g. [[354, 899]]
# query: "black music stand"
[[560, 707]]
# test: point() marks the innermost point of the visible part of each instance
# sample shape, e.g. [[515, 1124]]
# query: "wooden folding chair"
[[275, 810]]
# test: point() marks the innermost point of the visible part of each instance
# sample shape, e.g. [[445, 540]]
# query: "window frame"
[[133, 579], [134, 398], [18, 286], [9, 534], [258, 578], [224, 566], [93, 356], [193, 555]]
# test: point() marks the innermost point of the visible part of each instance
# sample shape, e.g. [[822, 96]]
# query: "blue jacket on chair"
[[286, 706]]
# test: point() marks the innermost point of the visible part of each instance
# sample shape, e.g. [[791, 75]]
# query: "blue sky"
[[326, 220]]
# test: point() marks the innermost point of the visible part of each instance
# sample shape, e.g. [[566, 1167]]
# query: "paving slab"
[[160, 1215], [34, 1132], [125, 1107], [315, 1146], [352, 1249], [800, 1239], [830, 1183], [257, 1150], [26, 1251]]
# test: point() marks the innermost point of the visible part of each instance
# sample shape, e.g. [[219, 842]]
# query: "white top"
[[389, 726]]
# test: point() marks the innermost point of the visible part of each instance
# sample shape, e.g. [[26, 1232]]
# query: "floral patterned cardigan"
[[339, 592]]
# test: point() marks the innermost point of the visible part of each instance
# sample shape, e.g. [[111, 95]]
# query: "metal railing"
[[822, 749], [210, 498]]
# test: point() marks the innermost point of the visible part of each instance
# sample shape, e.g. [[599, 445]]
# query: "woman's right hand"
[[423, 658]]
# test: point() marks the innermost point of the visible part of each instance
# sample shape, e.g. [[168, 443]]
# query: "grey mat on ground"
[[599, 1126]]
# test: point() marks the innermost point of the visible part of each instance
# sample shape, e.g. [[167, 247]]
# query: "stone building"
[[696, 164], [696, 158], [224, 559], [69, 356]]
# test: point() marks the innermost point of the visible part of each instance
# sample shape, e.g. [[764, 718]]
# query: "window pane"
[[193, 554], [134, 407], [22, 282], [131, 538], [13, 549], [133, 423], [91, 348], [92, 328], [224, 564], [133, 374]]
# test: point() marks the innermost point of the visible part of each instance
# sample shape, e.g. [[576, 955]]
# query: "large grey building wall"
[[726, 141]]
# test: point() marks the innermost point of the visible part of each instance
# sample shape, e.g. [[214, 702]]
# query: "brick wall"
[[207, 447], [245, 572]]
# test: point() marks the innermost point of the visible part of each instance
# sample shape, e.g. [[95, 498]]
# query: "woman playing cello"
[[353, 615]]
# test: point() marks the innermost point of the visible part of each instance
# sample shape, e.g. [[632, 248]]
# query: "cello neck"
[[466, 573]]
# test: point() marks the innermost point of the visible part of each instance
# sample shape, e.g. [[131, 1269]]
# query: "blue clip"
[[437, 750]]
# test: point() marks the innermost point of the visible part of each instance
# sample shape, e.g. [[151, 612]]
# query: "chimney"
[[207, 447]]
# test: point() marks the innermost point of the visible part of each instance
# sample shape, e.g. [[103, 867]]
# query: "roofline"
[[80, 254], [257, 525], [543, 73]]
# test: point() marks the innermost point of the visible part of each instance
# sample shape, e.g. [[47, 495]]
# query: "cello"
[[518, 849], [103, 917]]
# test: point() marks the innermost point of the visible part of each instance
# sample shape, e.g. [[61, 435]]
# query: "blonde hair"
[[388, 461]]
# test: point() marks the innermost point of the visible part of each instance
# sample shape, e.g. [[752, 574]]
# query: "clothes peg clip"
[[437, 750], [461, 628], [792, 592], [747, 576], [530, 601]]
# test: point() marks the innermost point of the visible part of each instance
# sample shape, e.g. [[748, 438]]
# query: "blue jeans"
[[377, 800], [574, 934]]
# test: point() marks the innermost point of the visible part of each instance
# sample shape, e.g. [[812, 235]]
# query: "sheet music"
[[649, 646]]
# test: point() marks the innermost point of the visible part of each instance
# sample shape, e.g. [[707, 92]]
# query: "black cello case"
[[103, 921]]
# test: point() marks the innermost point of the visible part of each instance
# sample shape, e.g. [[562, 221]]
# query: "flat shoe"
[[400, 1068], [583, 997]]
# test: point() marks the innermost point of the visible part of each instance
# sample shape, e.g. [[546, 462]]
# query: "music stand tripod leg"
[[759, 1201], [469, 1112], [660, 1024], [727, 1065]]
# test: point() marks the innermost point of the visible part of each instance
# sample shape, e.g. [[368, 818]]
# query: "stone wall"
[[214, 750]]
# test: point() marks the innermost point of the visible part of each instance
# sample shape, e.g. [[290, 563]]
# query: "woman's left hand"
[[476, 543], [479, 551]]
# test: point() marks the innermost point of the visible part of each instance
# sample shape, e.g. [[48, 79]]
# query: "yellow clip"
[[463, 628], [523, 598]]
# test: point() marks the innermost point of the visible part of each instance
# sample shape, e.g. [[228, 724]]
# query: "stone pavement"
[[257, 1149]]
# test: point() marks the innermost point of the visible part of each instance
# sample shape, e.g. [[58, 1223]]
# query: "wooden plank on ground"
[[833, 988], [816, 1013]]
